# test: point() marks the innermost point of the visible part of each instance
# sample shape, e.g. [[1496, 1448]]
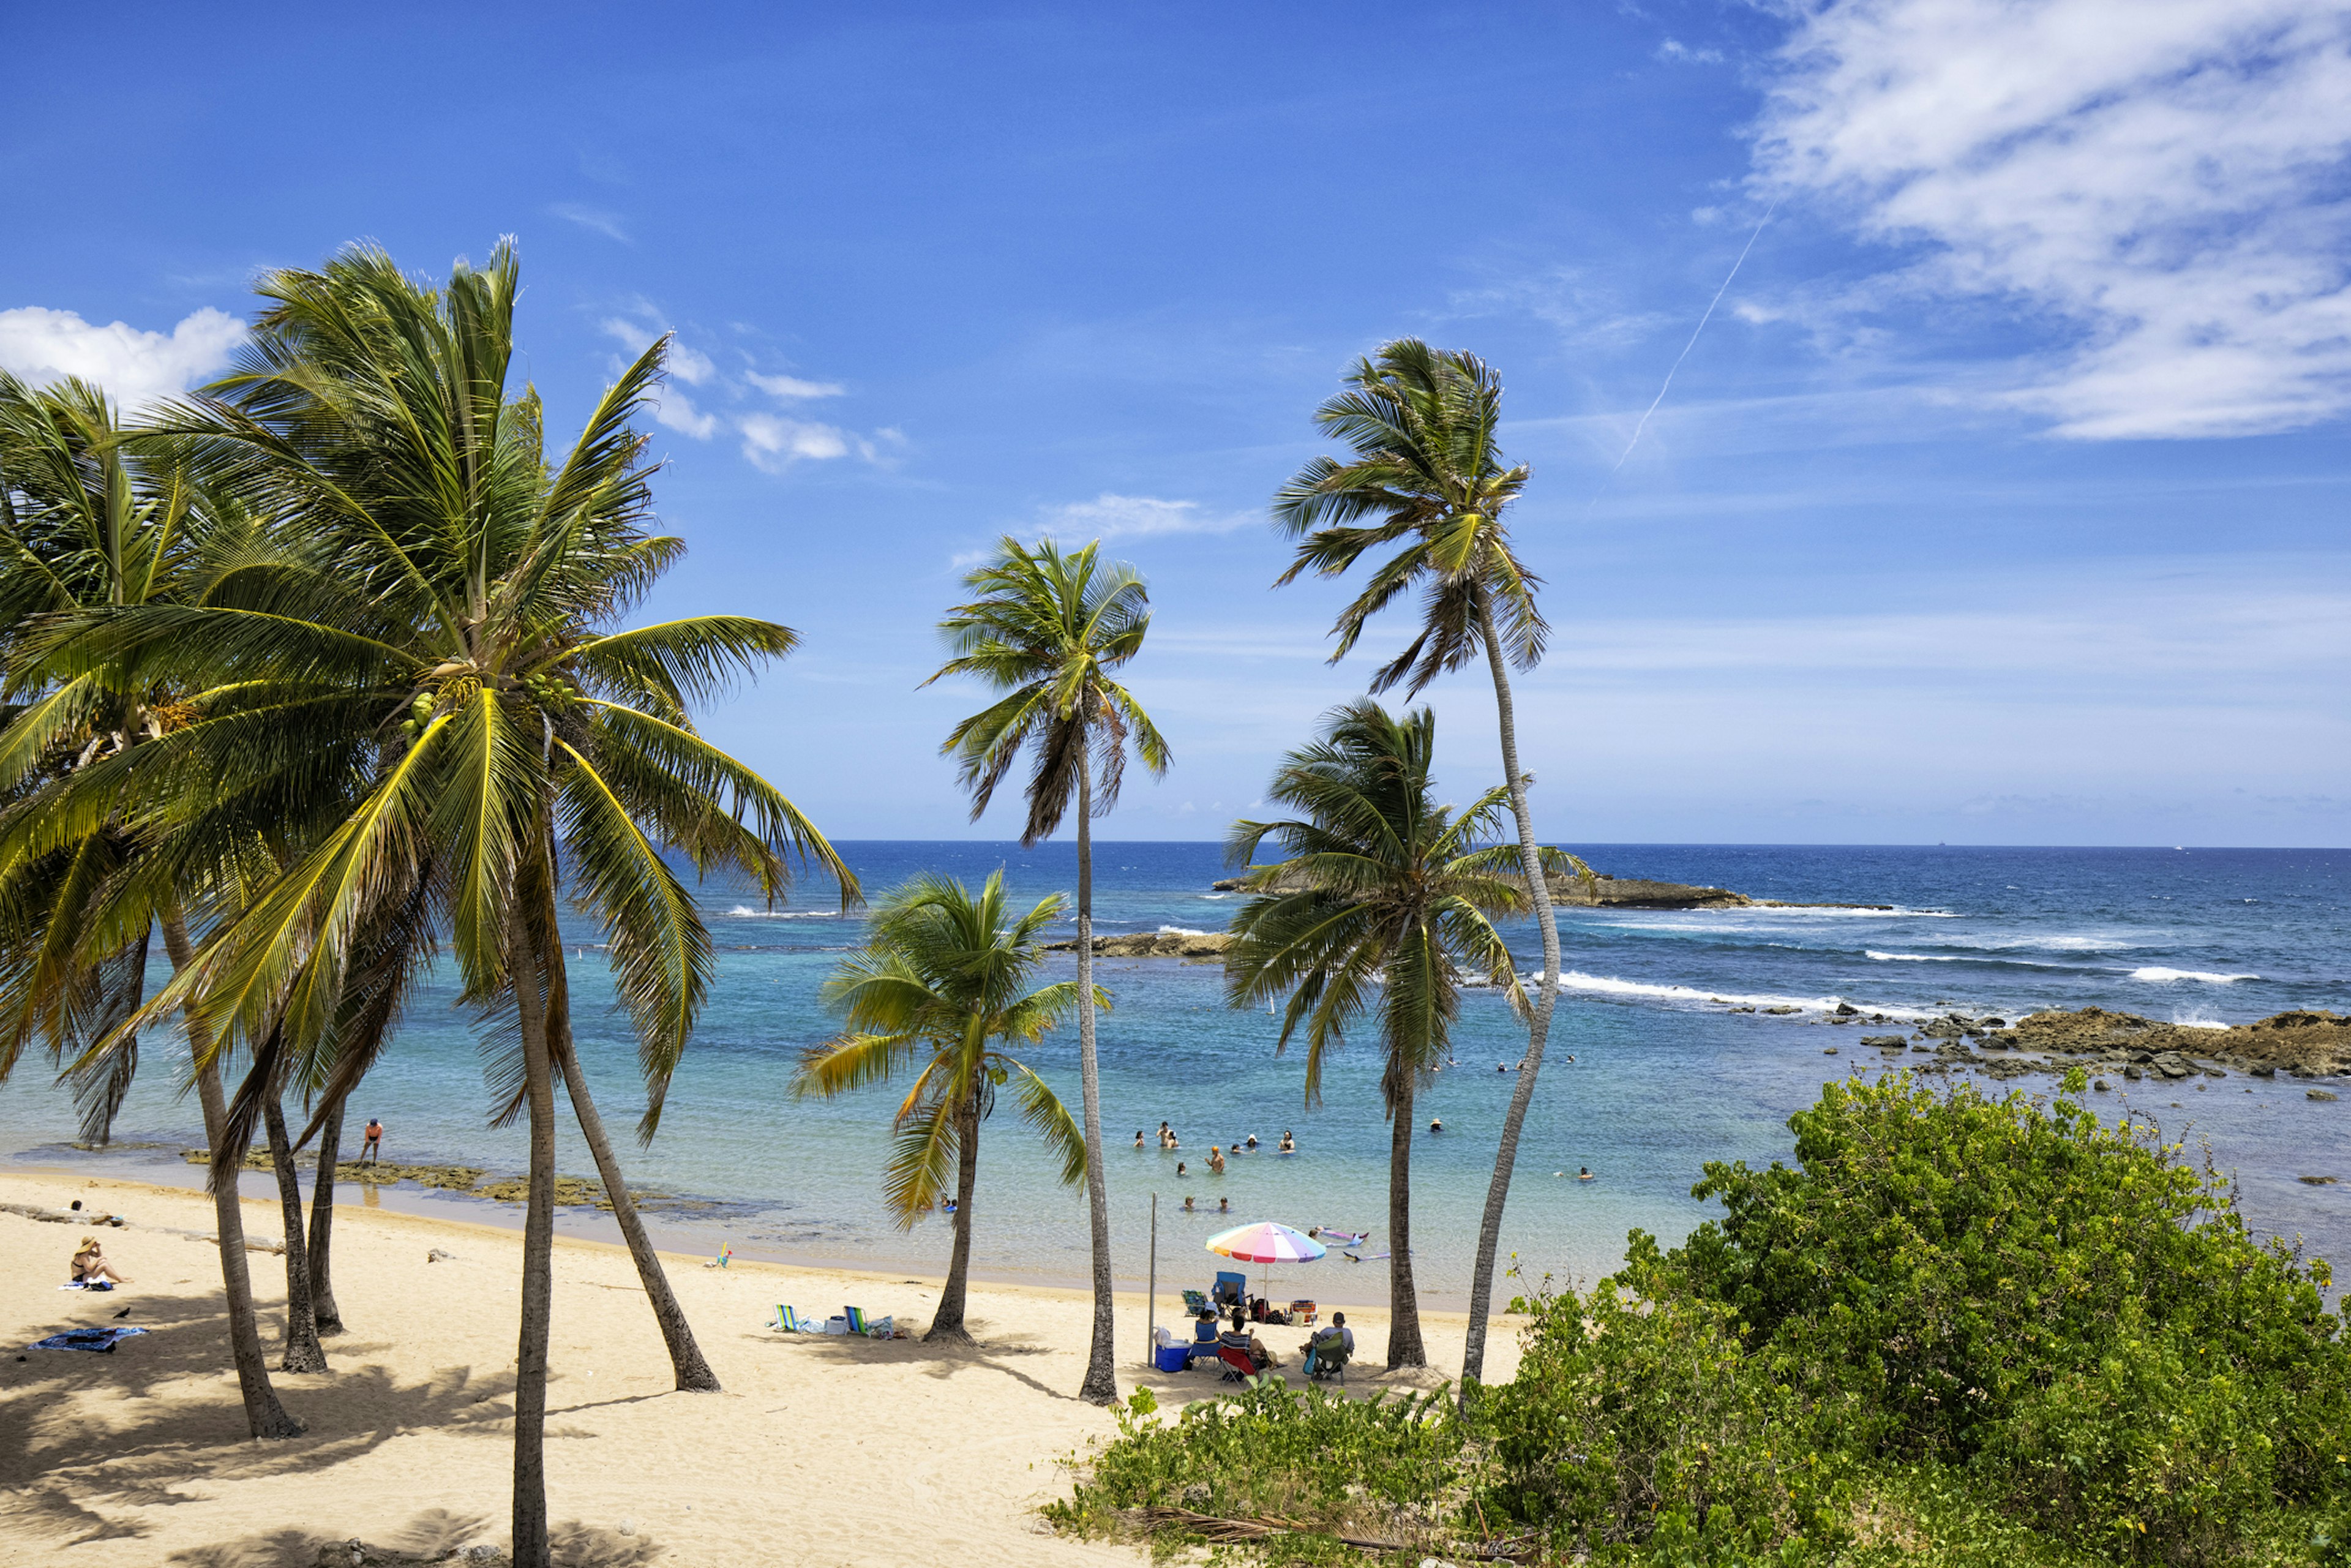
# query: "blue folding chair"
[[1230, 1290]]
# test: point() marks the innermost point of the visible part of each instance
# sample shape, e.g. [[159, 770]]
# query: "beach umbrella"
[[1263, 1241]]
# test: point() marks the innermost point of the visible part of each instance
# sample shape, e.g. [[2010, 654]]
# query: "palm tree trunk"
[[691, 1371], [330, 1318], [1101, 1384], [530, 1538], [1404, 1347], [1490, 1226], [303, 1352], [949, 1324], [263, 1416]]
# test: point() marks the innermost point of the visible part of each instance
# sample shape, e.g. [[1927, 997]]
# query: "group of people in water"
[[1218, 1155]]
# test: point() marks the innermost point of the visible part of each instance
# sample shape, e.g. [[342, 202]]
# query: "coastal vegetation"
[[1382, 899], [938, 992], [1425, 474], [1956, 1329], [1047, 628]]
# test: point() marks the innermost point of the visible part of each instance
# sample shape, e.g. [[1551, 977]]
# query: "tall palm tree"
[[1383, 900], [515, 744], [1425, 474], [1046, 629], [939, 990], [86, 523]]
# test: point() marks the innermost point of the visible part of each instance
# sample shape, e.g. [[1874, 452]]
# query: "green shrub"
[[1637, 1421], [2066, 1310], [1386, 1468]]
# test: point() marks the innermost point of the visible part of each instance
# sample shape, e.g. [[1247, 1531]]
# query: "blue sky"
[[2001, 500]]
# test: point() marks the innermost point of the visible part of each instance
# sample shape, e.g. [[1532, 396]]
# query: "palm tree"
[[1385, 899], [939, 989], [515, 745], [1046, 629], [86, 523], [1425, 474]]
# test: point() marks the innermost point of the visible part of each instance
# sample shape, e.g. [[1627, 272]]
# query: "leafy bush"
[[1637, 1421], [1385, 1467], [2064, 1308]]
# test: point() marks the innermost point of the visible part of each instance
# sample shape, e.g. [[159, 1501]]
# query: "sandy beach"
[[821, 1450]]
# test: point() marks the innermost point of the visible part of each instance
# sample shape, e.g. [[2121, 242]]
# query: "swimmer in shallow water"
[[1584, 1173], [1436, 1126], [1179, 1171], [1138, 1138], [1252, 1140], [1289, 1144]]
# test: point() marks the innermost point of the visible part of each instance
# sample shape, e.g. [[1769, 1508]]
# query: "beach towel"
[[101, 1341]]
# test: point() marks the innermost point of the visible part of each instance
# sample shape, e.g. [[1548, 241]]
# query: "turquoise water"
[[1664, 1078]]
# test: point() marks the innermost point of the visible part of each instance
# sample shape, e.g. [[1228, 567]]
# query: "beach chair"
[[870, 1327], [1303, 1312], [1238, 1364], [1195, 1302], [1229, 1289], [791, 1321], [1326, 1356]]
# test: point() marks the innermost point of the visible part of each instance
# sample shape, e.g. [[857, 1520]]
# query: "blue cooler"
[[1173, 1357]]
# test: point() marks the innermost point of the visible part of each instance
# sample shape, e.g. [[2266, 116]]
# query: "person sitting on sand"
[[1584, 1173], [90, 1267], [1261, 1354], [1215, 1160]]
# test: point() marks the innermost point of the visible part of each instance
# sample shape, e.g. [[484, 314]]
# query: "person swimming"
[[1224, 1206], [1584, 1173], [1179, 1171], [1434, 1125], [1187, 1204], [1138, 1138], [1289, 1144]]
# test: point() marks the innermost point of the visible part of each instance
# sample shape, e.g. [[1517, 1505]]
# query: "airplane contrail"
[[1688, 345]]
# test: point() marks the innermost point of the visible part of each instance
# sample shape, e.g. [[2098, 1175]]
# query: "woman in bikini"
[[90, 1267]]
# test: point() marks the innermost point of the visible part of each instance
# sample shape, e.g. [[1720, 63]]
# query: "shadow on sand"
[[65, 1459], [435, 1535]]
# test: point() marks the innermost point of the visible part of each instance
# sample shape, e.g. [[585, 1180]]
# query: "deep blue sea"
[[1664, 1078]]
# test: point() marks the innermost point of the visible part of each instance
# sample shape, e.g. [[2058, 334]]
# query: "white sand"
[[821, 1450]]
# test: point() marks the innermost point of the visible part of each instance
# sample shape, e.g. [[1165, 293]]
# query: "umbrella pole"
[[1151, 1313]]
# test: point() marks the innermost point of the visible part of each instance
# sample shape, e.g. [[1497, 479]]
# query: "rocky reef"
[[1602, 891], [2301, 1044], [1155, 944]]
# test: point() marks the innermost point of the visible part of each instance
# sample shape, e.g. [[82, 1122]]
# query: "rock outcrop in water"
[[1155, 944], [2299, 1044], [1604, 892]]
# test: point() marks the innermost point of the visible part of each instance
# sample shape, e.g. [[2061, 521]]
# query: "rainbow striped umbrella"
[[1266, 1242]]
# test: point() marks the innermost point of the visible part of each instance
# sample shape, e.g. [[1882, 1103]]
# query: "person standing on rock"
[[371, 1150]]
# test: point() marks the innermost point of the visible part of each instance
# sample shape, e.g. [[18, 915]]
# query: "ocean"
[[1664, 1077]]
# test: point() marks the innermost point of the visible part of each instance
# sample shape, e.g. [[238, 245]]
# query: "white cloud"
[[1675, 53], [792, 386], [775, 443], [135, 367], [2160, 179], [676, 410], [595, 218], [1113, 516]]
